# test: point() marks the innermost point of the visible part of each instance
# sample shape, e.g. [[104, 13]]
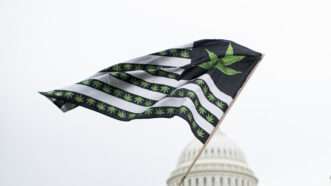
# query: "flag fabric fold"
[[196, 82]]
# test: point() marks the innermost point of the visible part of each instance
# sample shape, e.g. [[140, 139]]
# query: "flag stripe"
[[176, 52], [163, 73], [157, 79], [160, 60], [213, 88], [106, 98], [117, 92], [120, 82]]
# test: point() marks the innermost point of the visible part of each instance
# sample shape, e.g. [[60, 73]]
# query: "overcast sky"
[[281, 120]]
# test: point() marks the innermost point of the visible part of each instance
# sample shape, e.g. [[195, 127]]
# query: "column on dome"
[[242, 182]]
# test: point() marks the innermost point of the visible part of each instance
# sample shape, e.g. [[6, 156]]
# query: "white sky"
[[281, 120]]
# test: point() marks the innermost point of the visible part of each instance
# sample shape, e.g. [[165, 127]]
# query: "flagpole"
[[181, 182]]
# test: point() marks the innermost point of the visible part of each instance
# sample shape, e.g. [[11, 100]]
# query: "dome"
[[220, 148], [221, 160]]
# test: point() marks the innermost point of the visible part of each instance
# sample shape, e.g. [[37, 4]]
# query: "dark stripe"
[[117, 92], [161, 88], [163, 73], [123, 67], [182, 53]]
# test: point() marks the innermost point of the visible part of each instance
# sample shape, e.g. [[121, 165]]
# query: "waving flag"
[[196, 82]]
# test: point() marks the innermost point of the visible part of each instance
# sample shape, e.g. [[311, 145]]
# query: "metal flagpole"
[[181, 182]]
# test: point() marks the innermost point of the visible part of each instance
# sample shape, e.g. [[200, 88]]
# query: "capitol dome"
[[222, 163]]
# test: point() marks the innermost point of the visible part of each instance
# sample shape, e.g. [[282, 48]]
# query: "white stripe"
[[106, 98], [189, 45], [177, 102], [108, 79], [203, 100], [160, 60], [213, 88], [157, 79]]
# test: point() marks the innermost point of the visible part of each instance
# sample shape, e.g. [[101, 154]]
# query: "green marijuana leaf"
[[222, 64]]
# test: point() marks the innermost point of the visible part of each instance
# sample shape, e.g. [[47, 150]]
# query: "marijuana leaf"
[[127, 66], [101, 106], [144, 84], [200, 133], [211, 97], [90, 101], [155, 88], [118, 92], [68, 94], [165, 89], [220, 104], [222, 64], [138, 100], [210, 118], [111, 109], [132, 115], [183, 110], [185, 54], [202, 110], [159, 112], [191, 94], [128, 97], [148, 103], [170, 110], [106, 89], [79, 99], [96, 84], [121, 114], [199, 82]]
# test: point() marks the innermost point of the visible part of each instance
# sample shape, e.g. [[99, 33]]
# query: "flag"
[[196, 82]]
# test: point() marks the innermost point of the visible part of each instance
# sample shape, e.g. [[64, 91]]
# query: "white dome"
[[221, 159], [220, 148]]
